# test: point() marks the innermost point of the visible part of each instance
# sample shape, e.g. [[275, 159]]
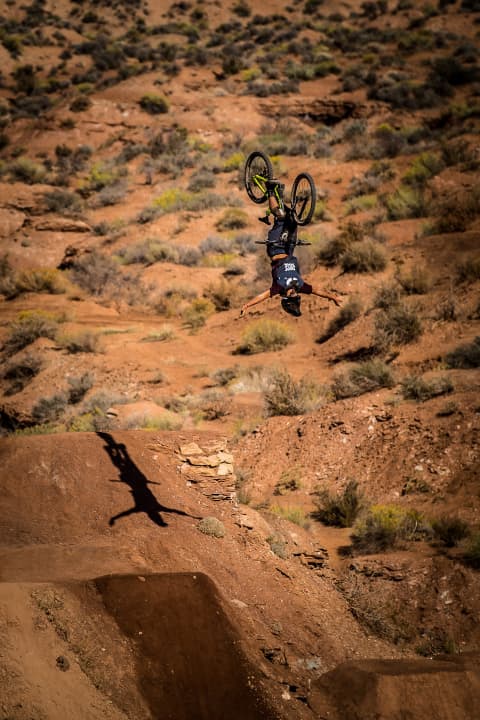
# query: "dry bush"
[[63, 202], [469, 269], [82, 342], [472, 553], [224, 295], [293, 514], [406, 202], [362, 378], [196, 314], [212, 526], [285, 396], [398, 325], [47, 410], [450, 530], [47, 280], [417, 388], [455, 212], [79, 386], [232, 219], [387, 296], [416, 282], [21, 372], [264, 336], [27, 171], [27, 329], [465, 356], [340, 509], [96, 273]]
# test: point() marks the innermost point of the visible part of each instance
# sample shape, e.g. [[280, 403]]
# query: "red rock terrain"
[[164, 548]]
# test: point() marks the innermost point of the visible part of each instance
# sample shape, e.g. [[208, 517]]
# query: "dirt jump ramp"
[[440, 689], [138, 647]]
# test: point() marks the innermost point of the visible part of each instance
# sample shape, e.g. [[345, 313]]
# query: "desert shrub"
[[80, 103], [472, 553], [153, 104], [406, 202], [196, 314], [264, 336], [27, 329], [384, 527], [8, 285], [398, 325], [455, 212], [95, 273], [223, 294], [416, 282], [465, 356], [347, 314], [387, 295], [362, 257], [111, 195], [285, 396], [340, 509], [362, 378], [423, 168], [290, 480], [449, 530], [63, 202], [212, 526], [212, 404], [47, 280], [201, 179], [224, 376], [469, 269], [417, 388], [232, 219], [278, 546], [79, 386], [165, 332], [361, 203], [21, 372], [100, 177], [82, 342], [27, 171], [149, 252], [293, 514], [49, 409]]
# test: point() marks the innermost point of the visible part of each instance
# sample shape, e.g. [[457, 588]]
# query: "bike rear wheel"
[[304, 198], [258, 169]]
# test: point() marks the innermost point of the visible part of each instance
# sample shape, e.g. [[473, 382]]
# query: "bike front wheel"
[[258, 169], [304, 198]]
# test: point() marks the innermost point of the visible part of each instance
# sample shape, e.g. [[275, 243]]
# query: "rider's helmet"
[[291, 305]]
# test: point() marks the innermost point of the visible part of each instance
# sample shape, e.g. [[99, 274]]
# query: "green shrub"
[[212, 526], [384, 527], [398, 325], [292, 514], [63, 202], [27, 171], [423, 168], [80, 104], [166, 332], [264, 336], [223, 294], [153, 104], [285, 396], [465, 356], [362, 378], [450, 530], [290, 480], [416, 388], [406, 202], [339, 510]]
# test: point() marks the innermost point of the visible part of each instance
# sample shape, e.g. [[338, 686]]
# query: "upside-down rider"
[[286, 278]]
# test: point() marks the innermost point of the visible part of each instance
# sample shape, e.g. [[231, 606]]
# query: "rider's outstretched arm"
[[257, 299], [323, 293]]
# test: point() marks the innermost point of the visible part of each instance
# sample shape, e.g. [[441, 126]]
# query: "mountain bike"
[[303, 196]]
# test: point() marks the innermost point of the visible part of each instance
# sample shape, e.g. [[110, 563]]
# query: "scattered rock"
[[63, 225]]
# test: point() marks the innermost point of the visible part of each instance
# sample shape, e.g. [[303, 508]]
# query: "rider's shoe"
[[265, 220]]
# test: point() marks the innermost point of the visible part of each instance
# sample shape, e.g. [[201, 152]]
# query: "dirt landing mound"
[[400, 690], [125, 646]]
